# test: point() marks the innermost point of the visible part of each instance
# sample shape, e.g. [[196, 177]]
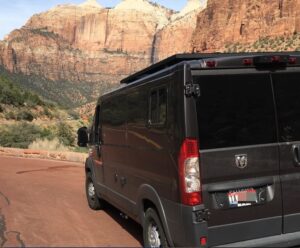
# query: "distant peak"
[[91, 3], [132, 4], [191, 5]]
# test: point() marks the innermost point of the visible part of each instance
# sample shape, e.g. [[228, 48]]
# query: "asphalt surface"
[[43, 203]]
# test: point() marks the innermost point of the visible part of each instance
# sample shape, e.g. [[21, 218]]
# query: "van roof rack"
[[175, 59]]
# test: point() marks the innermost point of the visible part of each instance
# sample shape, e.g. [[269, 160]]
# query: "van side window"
[[113, 121], [162, 105], [97, 125], [158, 106], [154, 110], [114, 112], [94, 131], [137, 103]]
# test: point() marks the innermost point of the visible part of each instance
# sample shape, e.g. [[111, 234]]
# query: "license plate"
[[241, 198]]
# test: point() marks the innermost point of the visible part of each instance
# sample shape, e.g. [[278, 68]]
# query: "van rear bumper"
[[283, 240], [185, 231]]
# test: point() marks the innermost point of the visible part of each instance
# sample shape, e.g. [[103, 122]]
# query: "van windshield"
[[235, 110]]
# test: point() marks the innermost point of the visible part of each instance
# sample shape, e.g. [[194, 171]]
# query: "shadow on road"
[[129, 225]]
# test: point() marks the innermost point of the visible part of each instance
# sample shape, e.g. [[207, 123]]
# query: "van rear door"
[[239, 155], [287, 95]]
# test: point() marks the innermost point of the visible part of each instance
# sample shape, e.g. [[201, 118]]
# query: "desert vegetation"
[[63, 93], [29, 121], [265, 44], [26, 135]]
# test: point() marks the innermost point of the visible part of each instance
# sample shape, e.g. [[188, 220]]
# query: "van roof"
[[175, 59]]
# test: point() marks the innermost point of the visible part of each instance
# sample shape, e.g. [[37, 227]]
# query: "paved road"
[[42, 203]]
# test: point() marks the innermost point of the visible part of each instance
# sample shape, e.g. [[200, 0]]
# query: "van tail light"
[[247, 61], [203, 241], [189, 173], [211, 64]]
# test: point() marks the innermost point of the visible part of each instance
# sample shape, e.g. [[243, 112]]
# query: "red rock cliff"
[[244, 21], [85, 42], [88, 43]]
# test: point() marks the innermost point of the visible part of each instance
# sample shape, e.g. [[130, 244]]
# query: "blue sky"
[[15, 13]]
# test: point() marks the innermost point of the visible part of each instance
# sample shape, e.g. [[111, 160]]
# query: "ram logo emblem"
[[241, 161]]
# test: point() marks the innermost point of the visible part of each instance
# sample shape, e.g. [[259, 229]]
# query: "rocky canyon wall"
[[89, 43], [244, 21]]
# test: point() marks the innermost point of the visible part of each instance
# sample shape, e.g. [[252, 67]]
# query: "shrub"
[[25, 115], [10, 115], [32, 100], [48, 145], [22, 134], [74, 115], [65, 134], [12, 94], [81, 150], [48, 113]]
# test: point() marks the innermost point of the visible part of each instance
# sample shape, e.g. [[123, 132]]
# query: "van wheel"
[[153, 232], [94, 202]]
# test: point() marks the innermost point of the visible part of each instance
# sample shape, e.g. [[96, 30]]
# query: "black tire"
[[93, 200], [153, 232]]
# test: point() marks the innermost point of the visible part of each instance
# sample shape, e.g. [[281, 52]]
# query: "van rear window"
[[235, 110]]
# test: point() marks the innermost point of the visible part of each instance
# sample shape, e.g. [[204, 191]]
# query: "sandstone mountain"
[[88, 43], [81, 43], [176, 37], [87, 46]]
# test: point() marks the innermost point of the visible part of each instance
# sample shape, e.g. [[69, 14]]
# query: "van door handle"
[[98, 149], [296, 150], [123, 181], [148, 124]]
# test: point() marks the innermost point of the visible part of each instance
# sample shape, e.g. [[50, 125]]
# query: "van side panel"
[[149, 146], [113, 146]]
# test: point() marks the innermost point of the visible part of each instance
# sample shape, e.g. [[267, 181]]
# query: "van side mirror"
[[83, 137]]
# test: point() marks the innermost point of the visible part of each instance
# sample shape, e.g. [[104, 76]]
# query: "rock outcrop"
[[85, 43], [243, 22], [176, 36], [91, 44]]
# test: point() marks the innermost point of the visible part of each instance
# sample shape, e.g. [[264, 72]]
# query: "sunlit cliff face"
[[89, 43]]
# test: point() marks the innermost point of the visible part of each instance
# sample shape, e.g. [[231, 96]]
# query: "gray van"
[[202, 150]]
